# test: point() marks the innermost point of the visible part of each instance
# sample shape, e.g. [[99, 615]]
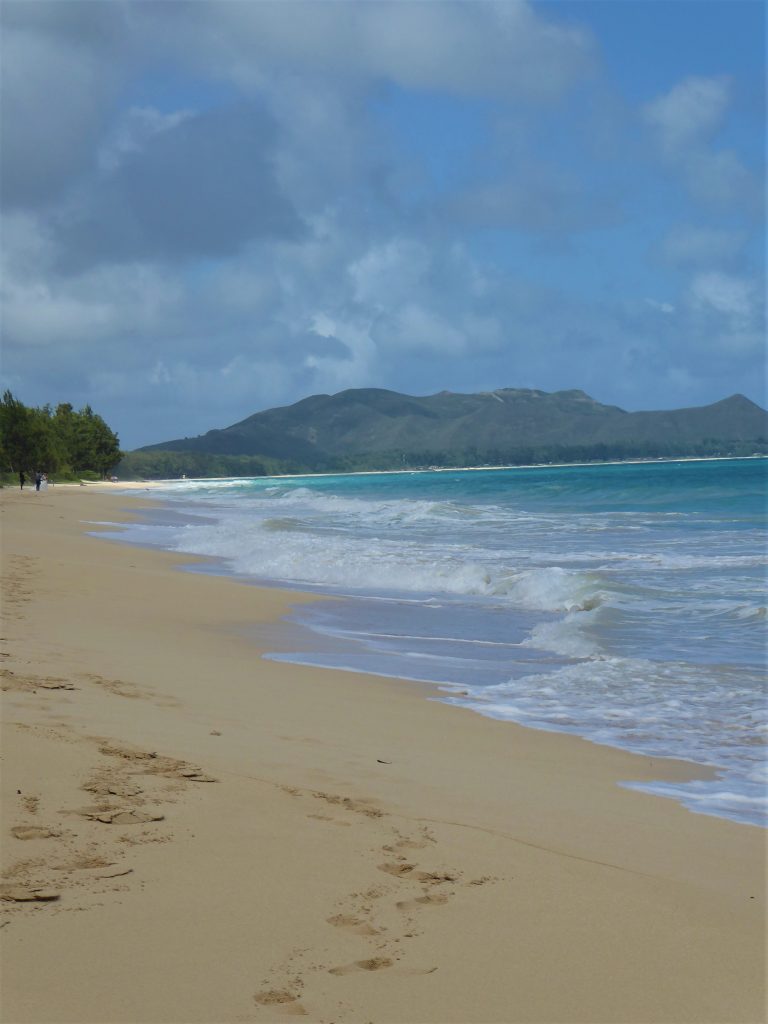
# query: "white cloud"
[[689, 114], [354, 334], [26, 249], [662, 307], [684, 122], [501, 48], [723, 293], [728, 313], [160, 374], [388, 274], [77, 317], [414, 328], [137, 126], [44, 316]]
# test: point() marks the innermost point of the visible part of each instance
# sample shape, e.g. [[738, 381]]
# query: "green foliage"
[[64, 442], [169, 465]]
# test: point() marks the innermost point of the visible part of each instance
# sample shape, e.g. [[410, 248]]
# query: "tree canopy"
[[62, 441]]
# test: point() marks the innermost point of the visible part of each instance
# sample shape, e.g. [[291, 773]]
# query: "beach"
[[194, 834]]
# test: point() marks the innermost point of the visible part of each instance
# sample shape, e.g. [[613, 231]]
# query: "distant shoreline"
[[428, 469]]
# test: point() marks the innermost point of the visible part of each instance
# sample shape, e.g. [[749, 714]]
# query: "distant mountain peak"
[[741, 400], [380, 428]]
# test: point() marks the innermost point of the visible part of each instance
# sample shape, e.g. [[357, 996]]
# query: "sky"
[[212, 208]]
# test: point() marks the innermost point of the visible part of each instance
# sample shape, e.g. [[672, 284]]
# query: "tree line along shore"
[[168, 465], [64, 443], [69, 444]]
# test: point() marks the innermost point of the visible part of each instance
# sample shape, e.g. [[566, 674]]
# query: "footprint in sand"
[[379, 963], [195, 775], [332, 821], [353, 924], [361, 805], [34, 832], [124, 817], [278, 997], [55, 684], [431, 900], [413, 844], [376, 963], [398, 870], [274, 997], [28, 894], [406, 870], [116, 789], [84, 862], [116, 686], [128, 753], [436, 877], [12, 681], [110, 787]]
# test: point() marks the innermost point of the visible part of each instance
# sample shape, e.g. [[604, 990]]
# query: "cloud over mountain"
[[210, 207]]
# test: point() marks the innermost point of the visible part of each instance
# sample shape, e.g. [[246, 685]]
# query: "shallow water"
[[625, 603]]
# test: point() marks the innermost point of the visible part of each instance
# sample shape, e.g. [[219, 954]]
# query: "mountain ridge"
[[379, 428]]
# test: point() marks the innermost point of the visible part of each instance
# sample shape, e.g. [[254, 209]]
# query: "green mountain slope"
[[374, 428]]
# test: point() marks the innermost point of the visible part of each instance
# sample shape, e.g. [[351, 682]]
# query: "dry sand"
[[193, 834]]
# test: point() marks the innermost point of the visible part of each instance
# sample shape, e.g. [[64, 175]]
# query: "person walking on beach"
[[38, 480], [22, 478]]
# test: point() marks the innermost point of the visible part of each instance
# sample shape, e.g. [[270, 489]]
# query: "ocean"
[[623, 603]]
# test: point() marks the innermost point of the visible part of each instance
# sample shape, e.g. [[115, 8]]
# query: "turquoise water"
[[625, 603]]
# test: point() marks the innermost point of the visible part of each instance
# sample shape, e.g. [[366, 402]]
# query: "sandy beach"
[[191, 833]]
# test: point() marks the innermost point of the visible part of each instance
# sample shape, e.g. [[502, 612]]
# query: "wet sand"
[[193, 834]]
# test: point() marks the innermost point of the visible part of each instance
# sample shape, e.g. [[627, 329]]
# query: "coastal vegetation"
[[67, 443], [166, 465]]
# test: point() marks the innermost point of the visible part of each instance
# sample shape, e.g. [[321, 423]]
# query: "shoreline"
[[291, 644], [366, 853], [133, 484]]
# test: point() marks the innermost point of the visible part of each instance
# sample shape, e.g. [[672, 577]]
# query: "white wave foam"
[[564, 636], [748, 805], [285, 549], [553, 589], [707, 715], [709, 561], [190, 487], [429, 638]]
